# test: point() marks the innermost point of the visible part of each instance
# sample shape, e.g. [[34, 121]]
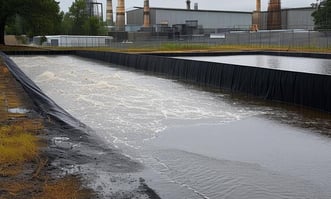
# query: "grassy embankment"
[[189, 47], [178, 47], [23, 165]]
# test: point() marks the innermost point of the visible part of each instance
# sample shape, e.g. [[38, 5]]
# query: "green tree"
[[78, 22], [94, 26], [39, 16], [78, 15], [66, 24], [322, 15]]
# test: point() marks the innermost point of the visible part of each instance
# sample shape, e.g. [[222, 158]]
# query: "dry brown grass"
[[23, 170], [16, 147], [14, 188], [34, 126], [65, 188], [19, 48]]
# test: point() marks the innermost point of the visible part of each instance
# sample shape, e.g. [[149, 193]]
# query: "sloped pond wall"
[[305, 89]]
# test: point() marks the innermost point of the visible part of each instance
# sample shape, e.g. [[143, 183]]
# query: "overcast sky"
[[237, 5]]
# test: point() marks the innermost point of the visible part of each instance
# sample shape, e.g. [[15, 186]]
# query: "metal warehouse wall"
[[299, 18], [294, 18], [135, 17], [208, 19]]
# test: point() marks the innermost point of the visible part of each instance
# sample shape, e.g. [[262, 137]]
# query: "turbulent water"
[[194, 143]]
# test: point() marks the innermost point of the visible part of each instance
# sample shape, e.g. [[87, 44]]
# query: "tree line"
[[43, 17], [322, 15]]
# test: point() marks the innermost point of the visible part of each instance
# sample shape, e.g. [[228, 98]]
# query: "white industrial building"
[[74, 41]]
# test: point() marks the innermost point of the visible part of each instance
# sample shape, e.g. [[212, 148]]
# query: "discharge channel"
[[195, 143]]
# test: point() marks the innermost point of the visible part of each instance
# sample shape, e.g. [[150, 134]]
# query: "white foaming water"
[[205, 143], [128, 107]]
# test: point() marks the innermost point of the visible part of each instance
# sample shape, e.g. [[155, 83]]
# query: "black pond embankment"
[[72, 146], [304, 89], [233, 78], [293, 87]]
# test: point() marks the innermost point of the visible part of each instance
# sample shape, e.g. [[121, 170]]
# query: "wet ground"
[[189, 142]]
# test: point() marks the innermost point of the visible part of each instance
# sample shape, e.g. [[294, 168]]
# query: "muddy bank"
[[25, 170], [72, 149]]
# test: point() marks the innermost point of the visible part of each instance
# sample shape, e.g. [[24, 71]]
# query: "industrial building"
[[73, 41], [212, 21], [148, 23], [292, 18], [194, 20], [94, 8]]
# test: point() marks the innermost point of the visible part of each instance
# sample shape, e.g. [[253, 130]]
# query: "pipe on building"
[[110, 19], [146, 14], [258, 5], [188, 5], [196, 6], [256, 23], [120, 16]]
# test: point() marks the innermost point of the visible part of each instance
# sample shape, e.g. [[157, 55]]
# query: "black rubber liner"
[[47, 107], [304, 89]]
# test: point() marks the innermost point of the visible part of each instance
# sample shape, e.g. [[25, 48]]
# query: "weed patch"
[[68, 187], [16, 147]]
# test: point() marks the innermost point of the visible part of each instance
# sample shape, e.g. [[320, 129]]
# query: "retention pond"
[[195, 143], [296, 64]]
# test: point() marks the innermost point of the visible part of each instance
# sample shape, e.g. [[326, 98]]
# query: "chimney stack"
[[110, 19], [196, 7], [188, 5], [258, 5], [256, 19], [146, 14], [274, 19], [120, 16]]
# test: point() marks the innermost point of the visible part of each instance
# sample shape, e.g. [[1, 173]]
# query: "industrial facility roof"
[[224, 11], [193, 10]]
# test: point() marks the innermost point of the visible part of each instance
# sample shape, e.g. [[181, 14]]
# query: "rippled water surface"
[[194, 143], [301, 64]]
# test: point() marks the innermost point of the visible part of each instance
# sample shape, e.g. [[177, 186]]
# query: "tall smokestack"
[[188, 4], [274, 20], [256, 20], [110, 19], [146, 14], [120, 16], [258, 5]]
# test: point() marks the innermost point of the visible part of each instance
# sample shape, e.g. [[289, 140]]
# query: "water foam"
[[130, 109]]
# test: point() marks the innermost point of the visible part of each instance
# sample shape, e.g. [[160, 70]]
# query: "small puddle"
[[18, 110]]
